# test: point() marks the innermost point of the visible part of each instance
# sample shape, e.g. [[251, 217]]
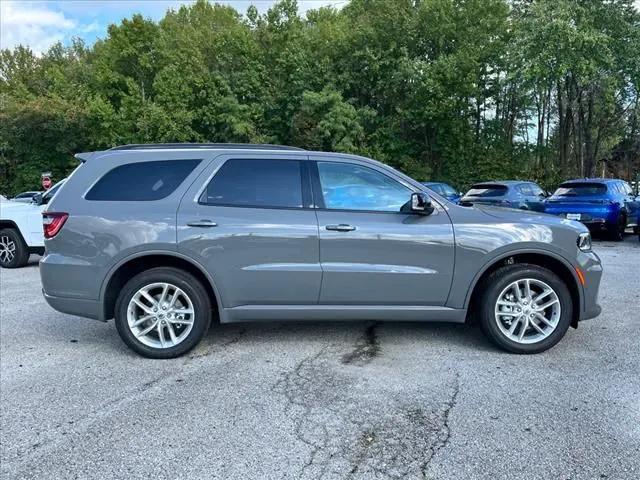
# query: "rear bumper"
[[594, 217], [75, 306]]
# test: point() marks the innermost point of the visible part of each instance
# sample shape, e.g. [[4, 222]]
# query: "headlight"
[[584, 241]]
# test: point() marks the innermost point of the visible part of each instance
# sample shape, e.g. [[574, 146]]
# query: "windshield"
[[486, 190], [580, 189]]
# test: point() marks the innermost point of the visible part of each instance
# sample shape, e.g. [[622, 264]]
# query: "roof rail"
[[174, 146]]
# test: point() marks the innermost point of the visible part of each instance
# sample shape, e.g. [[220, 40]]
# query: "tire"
[[616, 230], [193, 297], [495, 327], [14, 253]]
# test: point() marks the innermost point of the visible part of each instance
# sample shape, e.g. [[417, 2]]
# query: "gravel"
[[321, 400]]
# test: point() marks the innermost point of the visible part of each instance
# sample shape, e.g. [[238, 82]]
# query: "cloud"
[[32, 24], [41, 23]]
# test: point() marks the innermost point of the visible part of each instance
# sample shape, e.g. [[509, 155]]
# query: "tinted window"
[[441, 188], [142, 181], [626, 188], [256, 183], [487, 190], [347, 186], [448, 190], [525, 189], [536, 190], [581, 189], [436, 187]]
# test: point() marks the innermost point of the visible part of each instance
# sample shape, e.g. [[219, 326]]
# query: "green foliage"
[[454, 90]]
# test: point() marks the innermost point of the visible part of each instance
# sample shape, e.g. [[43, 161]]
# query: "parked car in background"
[[444, 190], [25, 197], [602, 204], [163, 238], [21, 228], [508, 193]]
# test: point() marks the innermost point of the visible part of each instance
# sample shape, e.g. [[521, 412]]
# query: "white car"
[[21, 231]]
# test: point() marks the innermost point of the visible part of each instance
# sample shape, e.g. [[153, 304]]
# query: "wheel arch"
[[549, 260], [132, 265], [12, 225]]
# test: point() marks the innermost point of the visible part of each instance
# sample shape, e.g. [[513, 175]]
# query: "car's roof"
[[503, 182], [593, 180], [433, 183], [84, 156]]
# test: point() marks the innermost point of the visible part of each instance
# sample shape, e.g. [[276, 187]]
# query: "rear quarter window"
[[142, 181]]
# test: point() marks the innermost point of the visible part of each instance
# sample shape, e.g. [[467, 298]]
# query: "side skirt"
[[391, 313]]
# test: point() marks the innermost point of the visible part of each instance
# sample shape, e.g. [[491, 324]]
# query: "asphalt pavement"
[[321, 400]]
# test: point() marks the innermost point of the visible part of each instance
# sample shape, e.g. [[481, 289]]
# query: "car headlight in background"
[[584, 241]]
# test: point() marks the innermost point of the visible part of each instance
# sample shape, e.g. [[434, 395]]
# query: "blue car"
[[602, 204], [508, 193], [444, 190]]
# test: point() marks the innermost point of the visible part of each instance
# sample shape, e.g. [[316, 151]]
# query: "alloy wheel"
[[160, 315], [7, 249], [527, 311]]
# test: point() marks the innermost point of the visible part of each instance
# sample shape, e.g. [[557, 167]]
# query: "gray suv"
[[166, 238]]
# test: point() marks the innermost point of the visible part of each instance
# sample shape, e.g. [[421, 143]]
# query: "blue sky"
[[39, 24]]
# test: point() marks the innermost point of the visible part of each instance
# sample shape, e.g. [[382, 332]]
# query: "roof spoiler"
[[84, 156]]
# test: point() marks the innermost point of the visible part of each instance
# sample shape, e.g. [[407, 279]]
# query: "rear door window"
[[142, 181], [487, 190], [582, 189], [256, 183]]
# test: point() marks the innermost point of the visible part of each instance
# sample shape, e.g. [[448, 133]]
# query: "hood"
[[9, 208], [530, 217]]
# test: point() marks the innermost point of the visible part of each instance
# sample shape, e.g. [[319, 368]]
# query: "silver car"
[[167, 238]]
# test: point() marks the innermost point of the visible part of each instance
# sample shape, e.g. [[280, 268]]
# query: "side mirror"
[[421, 204], [37, 199]]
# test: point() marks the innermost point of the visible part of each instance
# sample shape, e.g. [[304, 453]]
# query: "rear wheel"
[[14, 253], [616, 230], [525, 308], [162, 312]]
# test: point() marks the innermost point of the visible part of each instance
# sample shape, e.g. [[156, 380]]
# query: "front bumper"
[[591, 267]]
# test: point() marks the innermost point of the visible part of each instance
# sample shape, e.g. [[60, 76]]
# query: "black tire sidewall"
[[499, 281], [21, 256], [183, 280], [616, 233]]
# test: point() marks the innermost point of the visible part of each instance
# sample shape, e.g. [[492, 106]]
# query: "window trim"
[[307, 198], [320, 205], [124, 164]]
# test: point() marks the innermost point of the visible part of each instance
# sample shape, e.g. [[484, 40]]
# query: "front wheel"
[[14, 253], [525, 308], [162, 312]]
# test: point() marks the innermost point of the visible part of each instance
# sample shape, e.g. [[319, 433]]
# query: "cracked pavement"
[[321, 400]]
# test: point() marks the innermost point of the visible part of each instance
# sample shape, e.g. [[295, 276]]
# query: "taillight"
[[52, 222]]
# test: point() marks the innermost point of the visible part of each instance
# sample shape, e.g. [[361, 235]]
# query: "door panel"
[[388, 259], [370, 253], [256, 256]]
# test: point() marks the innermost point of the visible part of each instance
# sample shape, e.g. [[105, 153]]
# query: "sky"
[[39, 24]]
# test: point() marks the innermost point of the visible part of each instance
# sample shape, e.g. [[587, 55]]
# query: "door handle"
[[202, 223], [341, 228]]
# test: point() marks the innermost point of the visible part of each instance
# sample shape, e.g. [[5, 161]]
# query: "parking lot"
[[321, 400]]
